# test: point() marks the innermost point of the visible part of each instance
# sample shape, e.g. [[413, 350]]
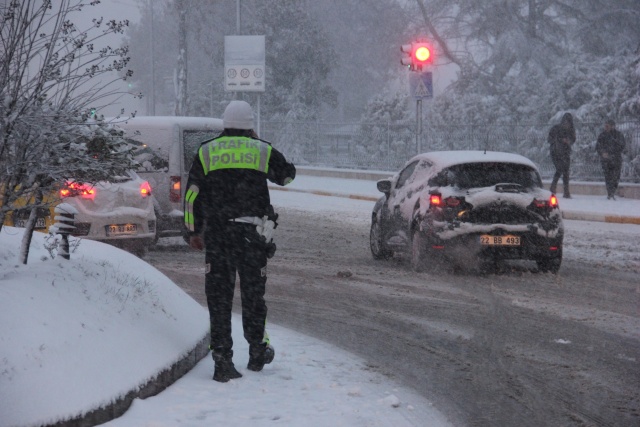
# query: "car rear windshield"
[[475, 175]]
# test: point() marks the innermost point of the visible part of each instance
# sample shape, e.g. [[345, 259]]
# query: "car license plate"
[[22, 223], [121, 229], [506, 240]]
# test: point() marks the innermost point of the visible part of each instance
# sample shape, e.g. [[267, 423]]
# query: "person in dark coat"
[[229, 214], [561, 138], [610, 147]]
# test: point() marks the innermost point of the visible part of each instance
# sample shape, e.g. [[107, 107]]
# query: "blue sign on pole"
[[421, 84]]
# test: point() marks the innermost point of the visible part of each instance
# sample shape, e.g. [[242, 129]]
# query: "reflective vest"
[[235, 152]]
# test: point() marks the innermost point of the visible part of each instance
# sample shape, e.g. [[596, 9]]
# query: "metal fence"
[[387, 146]]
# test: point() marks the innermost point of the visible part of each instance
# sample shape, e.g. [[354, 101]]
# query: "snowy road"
[[512, 348]]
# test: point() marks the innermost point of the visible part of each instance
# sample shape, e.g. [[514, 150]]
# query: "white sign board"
[[244, 64]]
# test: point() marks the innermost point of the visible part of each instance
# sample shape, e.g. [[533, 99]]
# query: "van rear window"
[[192, 139], [148, 160]]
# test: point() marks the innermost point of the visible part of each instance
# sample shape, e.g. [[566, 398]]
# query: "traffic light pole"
[[419, 125], [418, 55]]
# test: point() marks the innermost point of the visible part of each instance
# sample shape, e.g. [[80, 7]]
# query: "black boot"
[[225, 370], [260, 355]]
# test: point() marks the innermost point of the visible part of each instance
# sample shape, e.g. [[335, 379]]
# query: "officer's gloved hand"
[[271, 250], [268, 228]]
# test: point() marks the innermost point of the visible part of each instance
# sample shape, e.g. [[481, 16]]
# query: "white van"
[[168, 145]]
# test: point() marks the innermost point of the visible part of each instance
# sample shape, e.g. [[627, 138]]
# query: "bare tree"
[[54, 78]]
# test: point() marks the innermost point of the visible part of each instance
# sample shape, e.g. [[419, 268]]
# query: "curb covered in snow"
[[590, 216], [152, 387]]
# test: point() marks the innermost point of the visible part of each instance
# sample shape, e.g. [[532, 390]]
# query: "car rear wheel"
[[418, 251], [378, 248], [551, 265]]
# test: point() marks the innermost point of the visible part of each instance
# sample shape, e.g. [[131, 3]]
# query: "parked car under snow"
[[119, 211], [467, 206]]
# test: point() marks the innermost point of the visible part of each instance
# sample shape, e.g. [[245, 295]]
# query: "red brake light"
[[145, 189], [552, 203], [435, 200], [174, 189], [73, 189]]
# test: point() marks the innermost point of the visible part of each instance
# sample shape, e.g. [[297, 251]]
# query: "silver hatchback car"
[[467, 206]]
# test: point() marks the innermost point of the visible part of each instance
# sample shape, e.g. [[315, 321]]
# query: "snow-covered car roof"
[[444, 159]]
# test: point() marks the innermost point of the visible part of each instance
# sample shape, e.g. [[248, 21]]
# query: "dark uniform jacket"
[[228, 179]]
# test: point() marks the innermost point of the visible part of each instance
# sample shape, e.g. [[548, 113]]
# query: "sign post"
[[421, 85]]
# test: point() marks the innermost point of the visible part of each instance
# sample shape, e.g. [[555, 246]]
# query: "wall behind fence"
[[387, 146]]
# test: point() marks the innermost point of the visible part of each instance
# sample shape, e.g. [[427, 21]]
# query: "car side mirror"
[[384, 186]]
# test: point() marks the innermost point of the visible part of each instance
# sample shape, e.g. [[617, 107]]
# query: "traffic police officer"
[[229, 214]]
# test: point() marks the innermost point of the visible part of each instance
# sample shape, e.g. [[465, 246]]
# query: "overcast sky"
[[118, 10]]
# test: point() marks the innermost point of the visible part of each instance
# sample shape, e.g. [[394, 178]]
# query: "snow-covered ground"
[[76, 335]]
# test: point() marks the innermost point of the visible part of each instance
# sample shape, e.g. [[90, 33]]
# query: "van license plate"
[[121, 229], [506, 240], [22, 223]]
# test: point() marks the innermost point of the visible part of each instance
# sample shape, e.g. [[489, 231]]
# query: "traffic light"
[[421, 55], [408, 59], [418, 55]]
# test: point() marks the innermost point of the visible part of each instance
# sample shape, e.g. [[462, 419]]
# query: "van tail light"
[[145, 189], [174, 189], [73, 189]]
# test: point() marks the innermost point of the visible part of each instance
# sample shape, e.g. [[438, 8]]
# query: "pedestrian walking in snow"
[[610, 147], [561, 138], [229, 214]]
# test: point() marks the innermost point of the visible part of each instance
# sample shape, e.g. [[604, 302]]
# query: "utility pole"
[[237, 17], [152, 97], [181, 71]]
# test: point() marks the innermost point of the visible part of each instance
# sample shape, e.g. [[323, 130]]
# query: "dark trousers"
[[562, 164], [612, 170], [235, 248]]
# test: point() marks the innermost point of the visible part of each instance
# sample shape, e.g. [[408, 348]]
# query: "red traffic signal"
[[418, 55], [421, 55]]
